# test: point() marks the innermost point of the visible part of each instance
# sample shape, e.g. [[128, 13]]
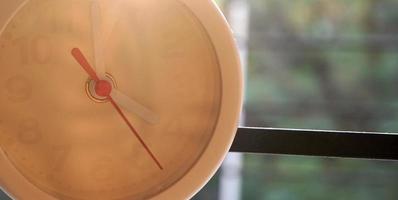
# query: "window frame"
[[323, 143]]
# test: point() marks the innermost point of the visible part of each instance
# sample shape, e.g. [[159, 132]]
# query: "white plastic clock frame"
[[221, 36]]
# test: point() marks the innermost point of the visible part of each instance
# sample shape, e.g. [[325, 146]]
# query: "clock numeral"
[[176, 43], [29, 132], [102, 169], [173, 50], [66, 22], [41, 50], [60, 154], [20, 43], [18, 89], [34, 51]]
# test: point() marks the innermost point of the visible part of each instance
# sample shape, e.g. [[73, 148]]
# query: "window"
[[326, 65]]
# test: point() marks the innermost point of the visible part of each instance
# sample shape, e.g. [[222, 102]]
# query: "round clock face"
[[107, 99]]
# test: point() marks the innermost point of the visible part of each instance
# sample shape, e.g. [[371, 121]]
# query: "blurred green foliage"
[[321, 64]]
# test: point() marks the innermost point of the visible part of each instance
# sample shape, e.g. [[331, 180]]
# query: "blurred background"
[[314, 64], [317, 64]]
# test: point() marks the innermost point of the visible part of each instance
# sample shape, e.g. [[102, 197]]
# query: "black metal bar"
[[317, 143]]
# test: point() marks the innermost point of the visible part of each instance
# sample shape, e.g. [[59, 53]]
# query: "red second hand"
[[134, 131], [78, 55]]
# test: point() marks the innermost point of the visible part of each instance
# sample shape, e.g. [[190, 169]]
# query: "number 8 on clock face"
[[121, 99]]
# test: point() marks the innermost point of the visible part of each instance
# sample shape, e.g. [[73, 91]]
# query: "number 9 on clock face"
[[121, 99]]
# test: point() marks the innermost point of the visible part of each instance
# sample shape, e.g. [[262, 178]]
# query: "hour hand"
[[98, 39], [132, 106]]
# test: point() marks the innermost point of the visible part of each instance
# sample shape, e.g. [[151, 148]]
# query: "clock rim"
[[225, 46], [220, 34]]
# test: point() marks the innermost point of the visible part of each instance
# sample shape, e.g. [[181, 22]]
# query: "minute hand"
[[132, 106], [98, 39]]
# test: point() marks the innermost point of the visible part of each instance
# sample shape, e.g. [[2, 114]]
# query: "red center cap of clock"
[[103, 88]]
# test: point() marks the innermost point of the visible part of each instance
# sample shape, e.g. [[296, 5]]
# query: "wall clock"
[[114, 99]]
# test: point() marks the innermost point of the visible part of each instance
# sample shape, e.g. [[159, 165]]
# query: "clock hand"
[[78, 55], [113, 11], [134, 107], [119, 97], [98, 39], [135, 132]]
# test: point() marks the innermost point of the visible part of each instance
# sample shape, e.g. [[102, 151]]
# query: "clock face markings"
[[23, 51], [41, 50], [29, 132], [18, 89], [37, 50], [173, 48], [58, 21], [102, 169], [133, 153], [62, 151]]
